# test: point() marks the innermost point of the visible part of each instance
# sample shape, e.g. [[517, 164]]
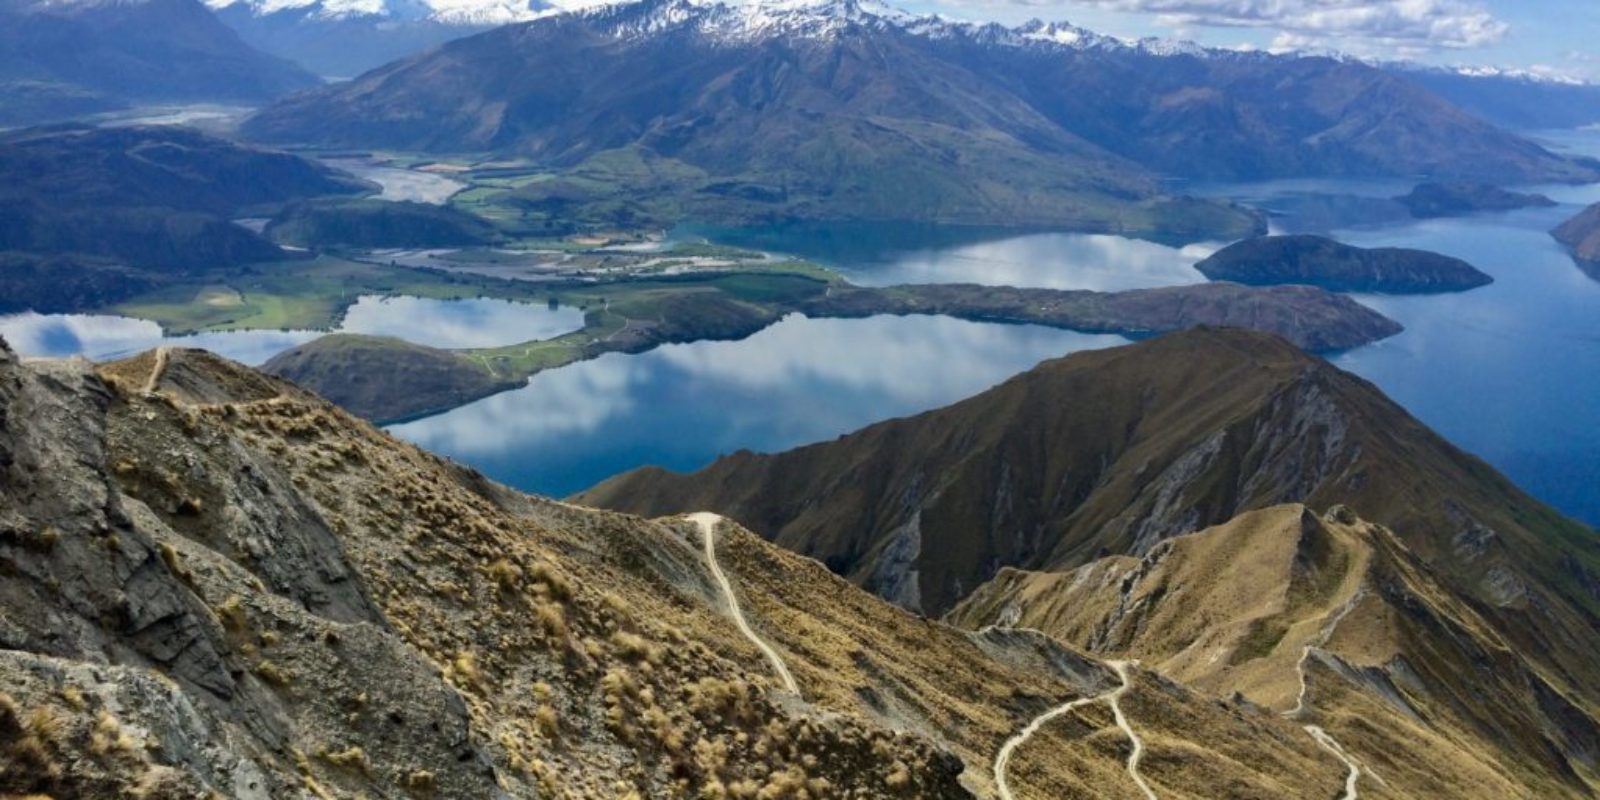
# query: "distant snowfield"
[[450, 12]]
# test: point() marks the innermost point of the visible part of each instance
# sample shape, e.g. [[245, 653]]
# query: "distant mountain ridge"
[[743, 113], [843, 109], [90, 216], [468, 13], [65, 57], [343, 38], [1516, 99]]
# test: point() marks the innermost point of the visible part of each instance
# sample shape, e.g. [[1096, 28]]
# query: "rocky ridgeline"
[[226, 587]]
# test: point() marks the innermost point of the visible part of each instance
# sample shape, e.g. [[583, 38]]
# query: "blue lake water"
[[680, 406], [1510, 372], [885, 254], [479, 322]]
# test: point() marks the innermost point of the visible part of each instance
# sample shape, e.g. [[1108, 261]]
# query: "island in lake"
[[1454, 199], [637, 315], [1323, 262], [1581, 235]]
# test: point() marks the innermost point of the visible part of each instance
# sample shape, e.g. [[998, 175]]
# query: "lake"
[[477, 322], [799, 381], [1510, 372], [885, 254]]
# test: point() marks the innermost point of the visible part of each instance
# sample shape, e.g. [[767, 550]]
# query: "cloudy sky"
[[1559, 36]]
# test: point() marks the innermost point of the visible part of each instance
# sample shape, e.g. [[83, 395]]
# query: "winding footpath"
[[1322, 638], [708, 524], [1115, 700], [157, 369], [1323, 737], [1331, 745], [1111, 698]]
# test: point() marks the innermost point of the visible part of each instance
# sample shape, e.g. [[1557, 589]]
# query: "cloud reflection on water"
[[1097, 262], [478, 322], [681, 406]]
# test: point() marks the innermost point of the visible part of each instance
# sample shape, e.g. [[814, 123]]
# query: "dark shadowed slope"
[[90, 216], [61, 58], [1324, 262]]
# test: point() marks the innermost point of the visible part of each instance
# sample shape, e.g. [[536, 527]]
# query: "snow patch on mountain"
[[754, 20], [449, 12], [1509, 73]]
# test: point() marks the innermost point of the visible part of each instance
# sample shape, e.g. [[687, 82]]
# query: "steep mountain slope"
[[1323, 619], [92, 215], [780, 99], [1111, 452], [838, 114], [116, 52], [1221, 115], [218, 583], [343, 38]]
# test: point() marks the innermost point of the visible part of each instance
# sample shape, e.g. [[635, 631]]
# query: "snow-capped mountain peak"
[[750, 20], [1064, 34], [735, 21], [746, 21], [478, 13]]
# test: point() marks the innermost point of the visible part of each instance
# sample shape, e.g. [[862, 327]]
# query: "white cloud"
[[1351, 25]]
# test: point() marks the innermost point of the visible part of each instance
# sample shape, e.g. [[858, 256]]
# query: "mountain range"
[[90, 216], [61, 58], [343, 38], [1064, 499], [840, 109], [217, 582], [1515, 99]]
